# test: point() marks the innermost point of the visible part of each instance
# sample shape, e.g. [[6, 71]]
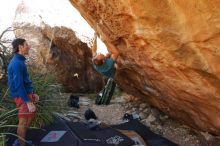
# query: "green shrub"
[[44, 84]]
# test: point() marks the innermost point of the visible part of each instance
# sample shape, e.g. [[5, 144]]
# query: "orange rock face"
[[170, 53]]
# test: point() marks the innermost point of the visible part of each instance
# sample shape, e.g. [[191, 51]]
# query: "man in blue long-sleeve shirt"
[[21, 88]]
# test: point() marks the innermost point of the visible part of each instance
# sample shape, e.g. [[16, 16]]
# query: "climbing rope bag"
[[105, 95]]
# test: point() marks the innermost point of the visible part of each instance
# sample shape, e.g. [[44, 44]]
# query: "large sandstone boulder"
[[73, 61], [60, 49], [170, 53]]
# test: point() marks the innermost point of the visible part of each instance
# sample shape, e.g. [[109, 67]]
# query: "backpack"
[[105, 95], [73, 101]]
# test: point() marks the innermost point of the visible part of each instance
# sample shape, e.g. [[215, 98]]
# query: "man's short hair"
[[15, 44], [97, 61]]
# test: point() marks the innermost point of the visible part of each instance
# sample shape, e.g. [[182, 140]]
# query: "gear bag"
[[105, 95]]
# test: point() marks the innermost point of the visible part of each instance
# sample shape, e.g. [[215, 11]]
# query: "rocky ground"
[[157, 121]]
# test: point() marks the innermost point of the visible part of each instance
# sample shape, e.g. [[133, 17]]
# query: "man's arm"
[[27, 82], [94, 47], [113, 50], [19, 82]]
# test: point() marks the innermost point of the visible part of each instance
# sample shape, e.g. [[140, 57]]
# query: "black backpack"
[[73, 101], [89, 114]]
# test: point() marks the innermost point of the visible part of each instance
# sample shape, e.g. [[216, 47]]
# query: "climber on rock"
[[106, 65]]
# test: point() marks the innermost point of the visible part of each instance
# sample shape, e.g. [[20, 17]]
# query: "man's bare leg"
[[29, 121], [21, 130]]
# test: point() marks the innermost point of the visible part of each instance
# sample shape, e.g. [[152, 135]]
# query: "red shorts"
[[23, 111]]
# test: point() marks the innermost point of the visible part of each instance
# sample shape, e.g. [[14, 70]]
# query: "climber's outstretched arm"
[[94, 46], [112, 50]]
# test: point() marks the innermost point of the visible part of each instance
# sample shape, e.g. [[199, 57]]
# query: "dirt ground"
[[157, 121]]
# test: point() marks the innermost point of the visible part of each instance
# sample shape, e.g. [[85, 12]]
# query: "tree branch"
[[7, 30]]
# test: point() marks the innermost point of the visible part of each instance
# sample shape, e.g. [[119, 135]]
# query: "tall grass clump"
[[46, 86]]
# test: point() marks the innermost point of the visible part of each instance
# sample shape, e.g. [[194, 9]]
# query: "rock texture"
[[170, 53]]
